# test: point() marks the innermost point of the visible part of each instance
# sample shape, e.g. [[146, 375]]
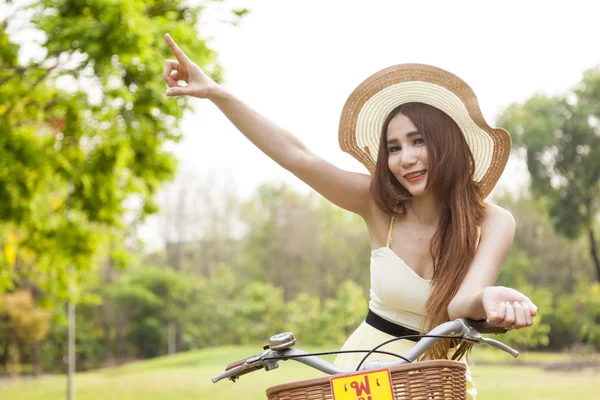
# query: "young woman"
[[437, 247]]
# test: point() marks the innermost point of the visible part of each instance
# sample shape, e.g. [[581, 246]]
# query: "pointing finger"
[[177, 52]]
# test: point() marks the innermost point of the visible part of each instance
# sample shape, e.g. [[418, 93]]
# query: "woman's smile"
[[415, 176]]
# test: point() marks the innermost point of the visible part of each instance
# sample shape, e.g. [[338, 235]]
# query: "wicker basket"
[[426, 380]]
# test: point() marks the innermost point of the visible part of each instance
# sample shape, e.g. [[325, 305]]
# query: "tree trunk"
[[14, 359], [178, 337], [4, 357], [171, 339], [120, 345], [108, 312], [71, 355], [174, 255], [37, 363], [107, 333], [594, 253]]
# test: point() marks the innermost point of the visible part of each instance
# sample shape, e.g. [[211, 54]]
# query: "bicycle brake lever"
[[474, 335], [242, 367], [501, 346]]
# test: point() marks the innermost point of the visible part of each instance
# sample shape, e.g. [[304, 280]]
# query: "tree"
[[198, 216], [303, 244], [581, 312], [21, 321], [561, 139], [84, 126], [539, 256], [151, 298]]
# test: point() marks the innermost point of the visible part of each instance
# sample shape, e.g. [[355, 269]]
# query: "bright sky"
[[297, 62]]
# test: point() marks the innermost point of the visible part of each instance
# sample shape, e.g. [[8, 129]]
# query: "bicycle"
[[373, 380]]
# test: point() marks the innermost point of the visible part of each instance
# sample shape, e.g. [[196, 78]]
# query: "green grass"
[[187, 376], [490, 354]]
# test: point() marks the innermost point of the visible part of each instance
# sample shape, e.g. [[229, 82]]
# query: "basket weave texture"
[[426, 380]]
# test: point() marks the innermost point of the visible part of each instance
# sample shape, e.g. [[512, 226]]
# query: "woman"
[[437, 247]]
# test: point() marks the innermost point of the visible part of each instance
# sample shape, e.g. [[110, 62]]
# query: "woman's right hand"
[[198, 84]]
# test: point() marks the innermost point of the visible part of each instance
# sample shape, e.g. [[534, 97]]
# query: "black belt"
[[389, 327]]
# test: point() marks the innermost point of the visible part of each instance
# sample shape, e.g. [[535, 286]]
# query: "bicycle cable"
[[374, 350], [369, 352], [326, 353]]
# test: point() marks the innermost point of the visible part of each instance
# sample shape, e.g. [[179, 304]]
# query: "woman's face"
[[407, 154]]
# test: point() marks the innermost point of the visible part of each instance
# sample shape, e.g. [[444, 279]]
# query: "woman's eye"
[[394, 149], [419, 141]]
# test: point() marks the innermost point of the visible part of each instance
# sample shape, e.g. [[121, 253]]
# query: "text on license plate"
[[367, 385]]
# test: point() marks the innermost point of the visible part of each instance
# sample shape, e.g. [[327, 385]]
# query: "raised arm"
[[346, 189], [477, 298]]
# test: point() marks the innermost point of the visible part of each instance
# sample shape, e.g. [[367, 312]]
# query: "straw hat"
[[371, 102]]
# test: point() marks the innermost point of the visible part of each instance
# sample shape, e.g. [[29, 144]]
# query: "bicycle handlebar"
[[485, 326], [268, 359]]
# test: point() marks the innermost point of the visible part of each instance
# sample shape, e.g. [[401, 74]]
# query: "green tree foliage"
[[151, 299], [329, 322], [539, 256], [302, 244], [236, 302], [219, 310], [84, 127], [580, 313], [259, 312], [561, 139], [546, 266], [21, 322], [343, 313]]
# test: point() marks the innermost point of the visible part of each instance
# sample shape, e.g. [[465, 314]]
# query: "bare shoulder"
[[498, 220]]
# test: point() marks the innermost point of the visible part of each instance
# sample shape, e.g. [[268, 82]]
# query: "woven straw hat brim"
[[371, 102]]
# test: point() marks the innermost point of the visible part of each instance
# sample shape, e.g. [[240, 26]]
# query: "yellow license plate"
[[369, 385]]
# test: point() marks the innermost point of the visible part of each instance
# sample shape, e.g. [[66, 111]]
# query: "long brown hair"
[[450, 176]]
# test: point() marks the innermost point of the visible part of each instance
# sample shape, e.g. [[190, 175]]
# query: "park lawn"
[[187, 376], [490, 354]]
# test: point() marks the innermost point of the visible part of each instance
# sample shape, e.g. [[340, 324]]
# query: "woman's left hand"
[[508, 308]]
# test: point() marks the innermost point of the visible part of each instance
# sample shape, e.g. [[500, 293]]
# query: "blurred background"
[[176, 247]]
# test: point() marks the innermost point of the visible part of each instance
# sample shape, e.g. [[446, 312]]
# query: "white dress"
[[398, 295]]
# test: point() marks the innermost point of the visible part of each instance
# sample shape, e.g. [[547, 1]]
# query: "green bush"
[[579, 313]]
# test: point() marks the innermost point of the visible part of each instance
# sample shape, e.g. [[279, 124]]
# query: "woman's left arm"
[[477, 298]]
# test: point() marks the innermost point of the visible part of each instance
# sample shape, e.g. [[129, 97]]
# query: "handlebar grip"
[[484, 326], [237, 363], [248, 370]]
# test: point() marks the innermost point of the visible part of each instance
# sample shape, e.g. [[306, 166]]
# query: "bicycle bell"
[[282, 341]]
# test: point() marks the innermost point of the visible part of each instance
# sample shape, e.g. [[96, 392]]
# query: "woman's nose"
[[409, 157]]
